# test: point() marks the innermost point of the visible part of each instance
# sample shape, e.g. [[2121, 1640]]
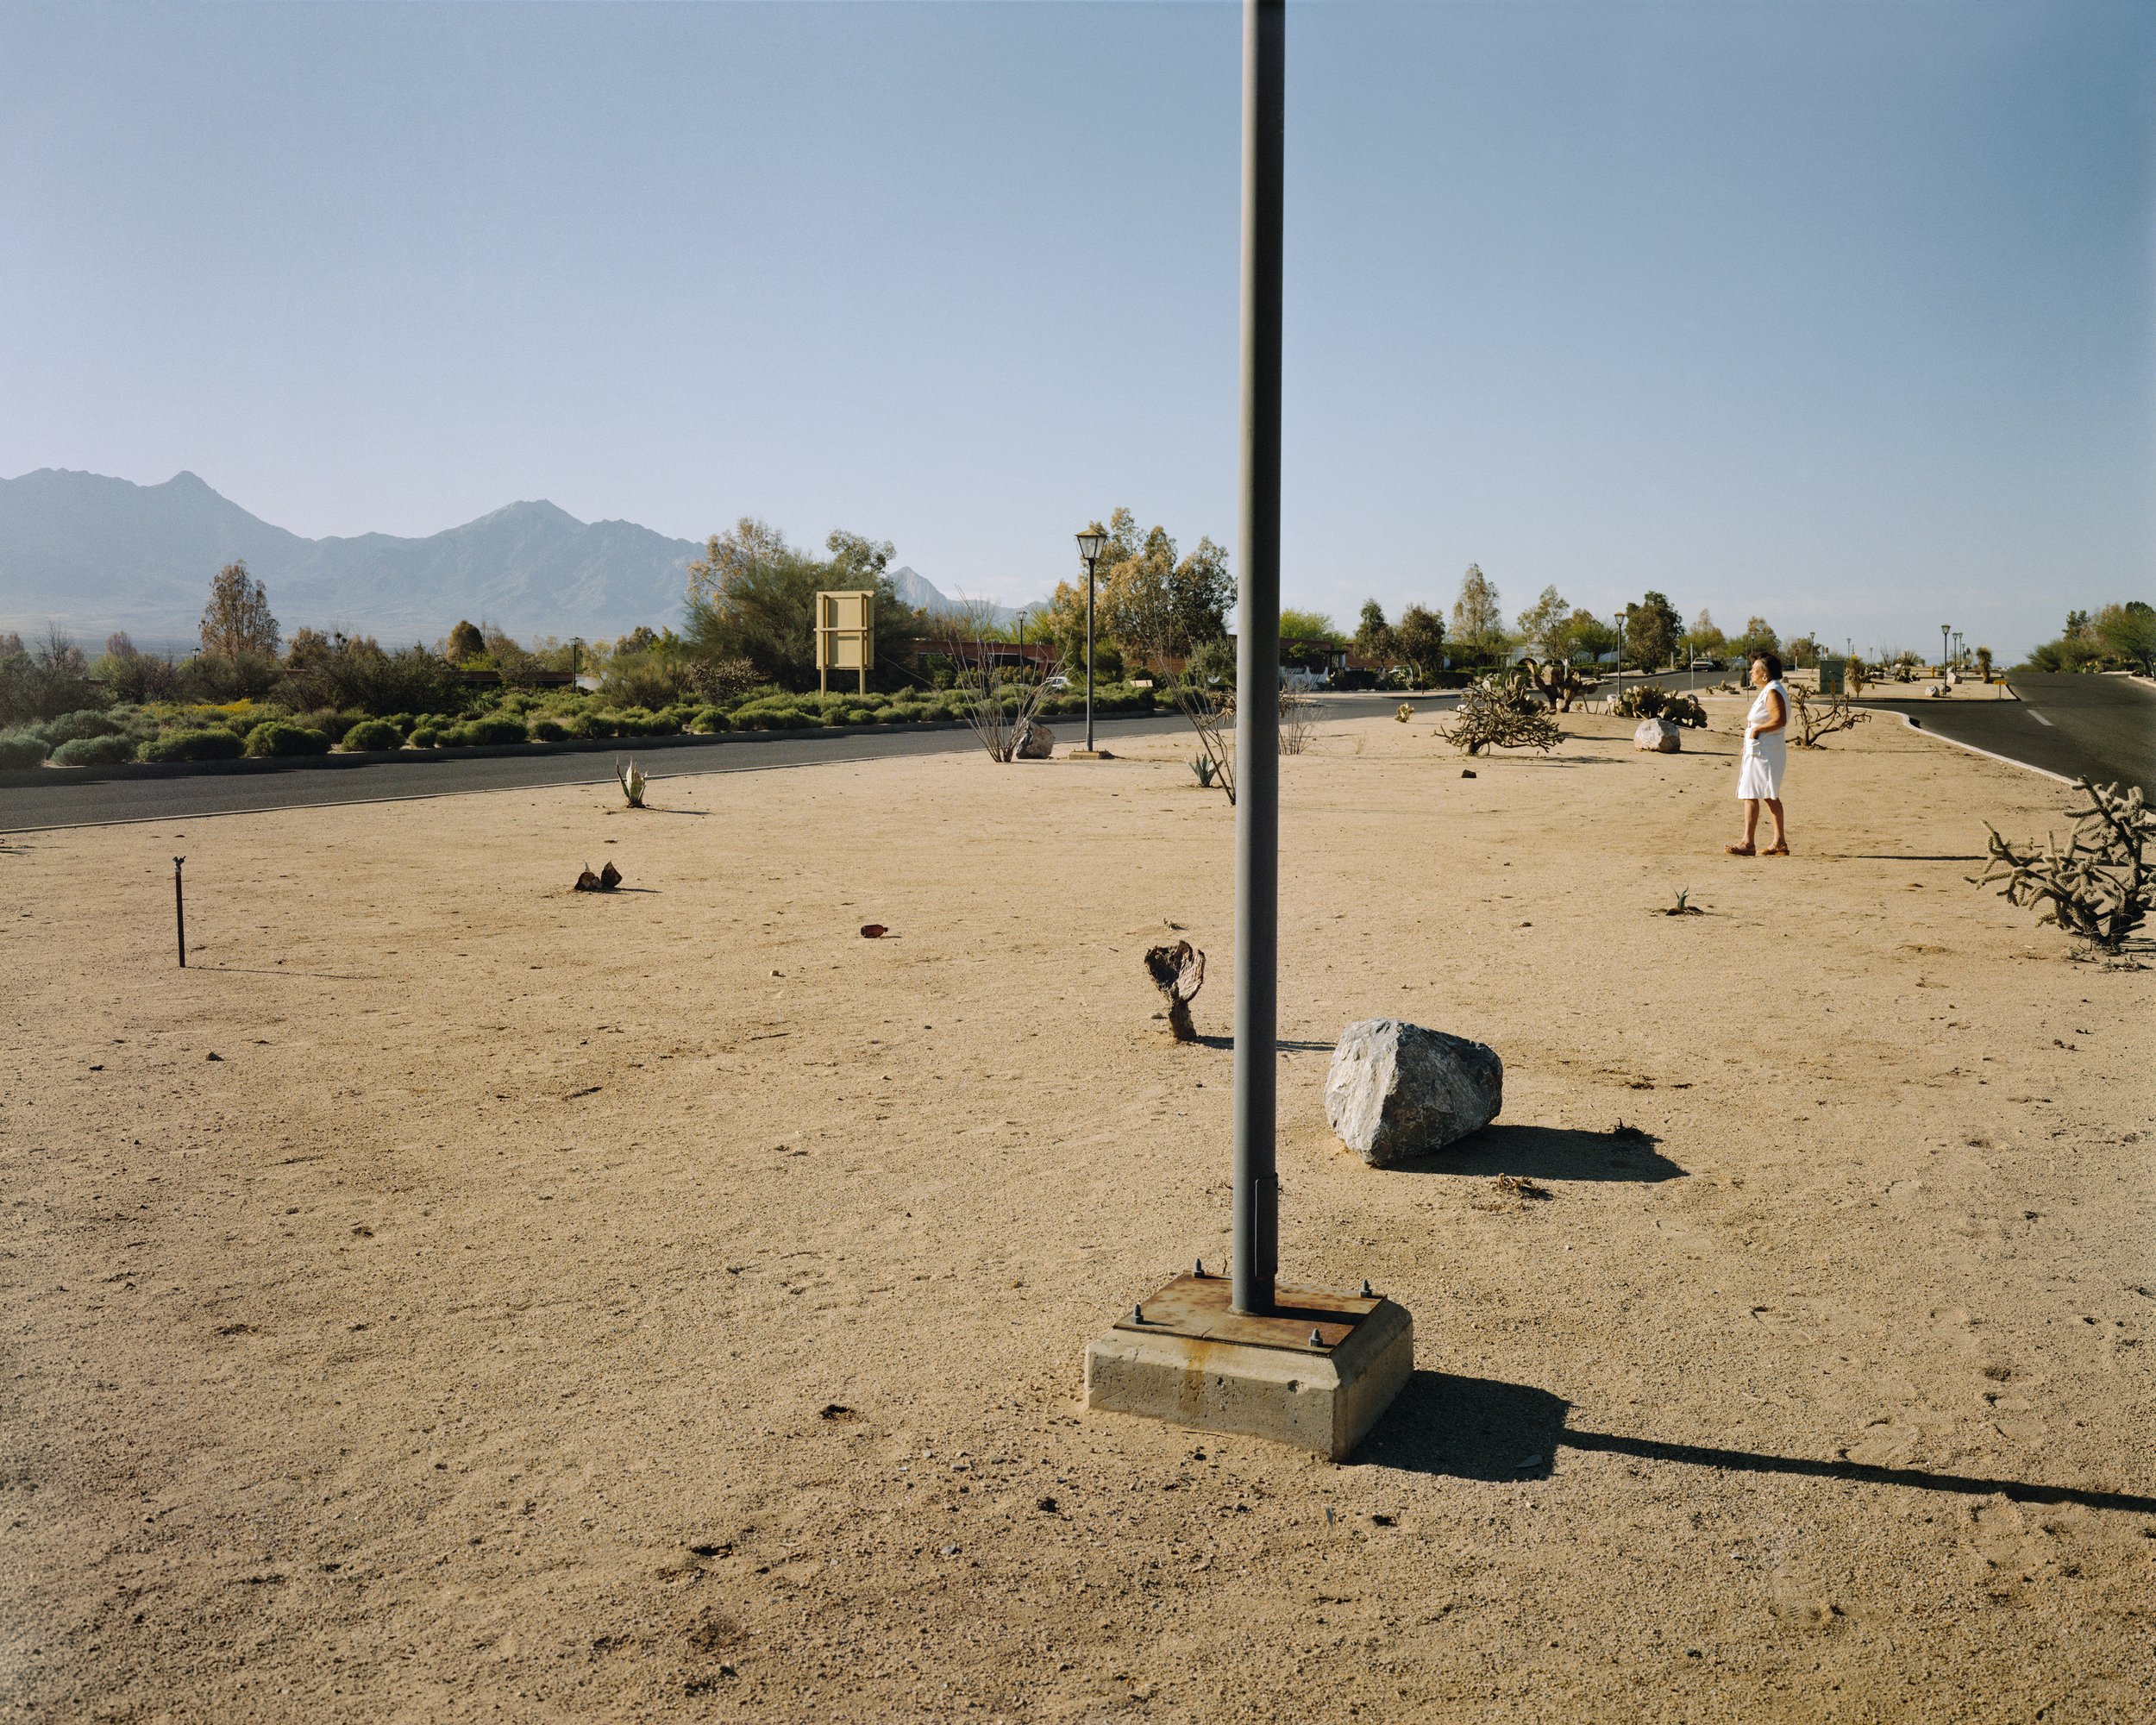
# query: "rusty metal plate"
[[1197, 1307]]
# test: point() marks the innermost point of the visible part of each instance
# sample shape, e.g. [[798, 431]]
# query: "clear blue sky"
[[1838, 313]]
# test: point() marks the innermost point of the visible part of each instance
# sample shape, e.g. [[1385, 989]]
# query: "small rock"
[[873, 931], [948, 1551], [608, 878], [1036, 742], [1467, 772], [213, 1057], [1395, 1090], [1046, 1506], [1659, 735]]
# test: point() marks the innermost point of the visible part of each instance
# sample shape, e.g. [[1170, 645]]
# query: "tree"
[[237, 619], [752, 596], [2129, 631], [1420, 641], [1582, 638], [1478, 626], [1307, 625], [465, 643], [1154, 603], [1804, 652], [1374, 637], [1542, 623], [1758, 638], [1651, 628], [1707, 640]]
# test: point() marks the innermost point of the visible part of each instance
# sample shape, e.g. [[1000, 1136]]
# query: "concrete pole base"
[[1316, 1373]]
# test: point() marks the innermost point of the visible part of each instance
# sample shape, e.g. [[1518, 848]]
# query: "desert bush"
[[425, 737], [70, 727], [217, 677], [341, 671], [371, 736], [331, 724], [21, 749], [1814, 718], [2099, 887], [213, 742], [548, 731], [95, 751], [454, 737], [496, 727], [1497, 714], [273, 738], [646, 681], [1646, 701], [48, 679], [136, 677]]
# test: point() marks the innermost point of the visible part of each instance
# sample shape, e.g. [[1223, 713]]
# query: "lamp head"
[[1090, 544]]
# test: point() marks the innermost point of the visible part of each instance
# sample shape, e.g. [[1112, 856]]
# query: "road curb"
[[1940, 737]]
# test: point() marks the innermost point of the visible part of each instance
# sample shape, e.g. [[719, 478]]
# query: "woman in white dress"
[[1766, 753]]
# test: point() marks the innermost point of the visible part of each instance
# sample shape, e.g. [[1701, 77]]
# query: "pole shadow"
[[1286, 1044], [1549, 1153], [1483, 1428]]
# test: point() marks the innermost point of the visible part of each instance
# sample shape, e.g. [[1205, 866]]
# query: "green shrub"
[[274, 738], [453, 736], [548, 731], [496, 727], [79, 727], [94, 751], [709, 718], [21, 748], [425, 737], [372, 737], [331, 724], [892, 715], [211, 743]]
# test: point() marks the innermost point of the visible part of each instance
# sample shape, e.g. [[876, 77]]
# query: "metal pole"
[[1257, 665], [1620, 660], [179, 909], [1090, 561]]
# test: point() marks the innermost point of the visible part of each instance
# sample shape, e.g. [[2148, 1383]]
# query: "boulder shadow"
[[1549, 1153], [1468, 1428]]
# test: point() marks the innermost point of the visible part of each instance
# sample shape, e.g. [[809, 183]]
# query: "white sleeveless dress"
[[1760, 773]]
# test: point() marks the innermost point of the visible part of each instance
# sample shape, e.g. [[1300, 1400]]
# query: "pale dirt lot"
[[439, 1302]]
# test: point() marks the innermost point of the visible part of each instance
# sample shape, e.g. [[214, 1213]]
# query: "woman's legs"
[[1752, 819], [1774, 808]]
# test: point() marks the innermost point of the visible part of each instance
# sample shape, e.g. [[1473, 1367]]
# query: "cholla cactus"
[[1496, 714], [1405, 711], [2099, 887], [632, 783]]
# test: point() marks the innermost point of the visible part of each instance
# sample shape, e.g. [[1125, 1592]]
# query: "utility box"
[[1830, 675], [845, 636]]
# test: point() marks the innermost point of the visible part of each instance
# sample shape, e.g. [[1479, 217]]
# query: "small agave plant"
[[1203, 767], [632, 783]]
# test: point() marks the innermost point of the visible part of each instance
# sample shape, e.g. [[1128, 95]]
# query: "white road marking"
[[2040, 719]]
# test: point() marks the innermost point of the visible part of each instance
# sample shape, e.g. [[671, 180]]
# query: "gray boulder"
[[1659, 734], [1036, 742], [1396, 1090]]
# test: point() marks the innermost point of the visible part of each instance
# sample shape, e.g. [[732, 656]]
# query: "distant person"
[[1766, 753]]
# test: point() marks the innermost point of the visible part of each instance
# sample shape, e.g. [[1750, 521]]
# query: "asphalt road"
[[2102, 727], [74, 803]]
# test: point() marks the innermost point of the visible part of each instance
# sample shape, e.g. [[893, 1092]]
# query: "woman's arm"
[[1778, 719]]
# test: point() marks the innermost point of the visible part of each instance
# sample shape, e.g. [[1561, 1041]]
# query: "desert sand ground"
[[452, 1298]]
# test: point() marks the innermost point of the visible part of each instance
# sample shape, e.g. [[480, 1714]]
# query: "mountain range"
[[94, 553]]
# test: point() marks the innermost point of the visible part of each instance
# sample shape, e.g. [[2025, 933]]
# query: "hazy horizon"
[[1839, 315]]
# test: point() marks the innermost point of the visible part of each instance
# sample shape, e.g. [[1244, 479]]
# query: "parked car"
[[1058, 681], [1705, 665]]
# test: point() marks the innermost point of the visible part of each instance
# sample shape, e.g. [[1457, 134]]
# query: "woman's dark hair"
[[1772, 661]]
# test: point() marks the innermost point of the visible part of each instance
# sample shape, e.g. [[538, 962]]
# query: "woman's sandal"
[[1776, 850], [1740, 850]]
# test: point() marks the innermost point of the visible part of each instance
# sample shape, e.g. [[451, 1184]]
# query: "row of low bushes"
[[197, 732]]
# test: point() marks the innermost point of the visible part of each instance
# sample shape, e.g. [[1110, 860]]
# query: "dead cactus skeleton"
[[1818, 716], [1495, 713], [2097, 887], [1178, 971]]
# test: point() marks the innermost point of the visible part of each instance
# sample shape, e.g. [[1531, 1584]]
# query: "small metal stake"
[[179, 909], [1316, 1340], [1199, 1267], [1367, 1295], [1138, 1314]]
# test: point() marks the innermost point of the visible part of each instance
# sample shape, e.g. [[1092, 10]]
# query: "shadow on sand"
[[1549, 1153], [1482, 1428]]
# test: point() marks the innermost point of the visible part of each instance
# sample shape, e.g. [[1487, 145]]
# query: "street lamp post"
[[1620, 660], [1090, 544], [1945, 629]]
